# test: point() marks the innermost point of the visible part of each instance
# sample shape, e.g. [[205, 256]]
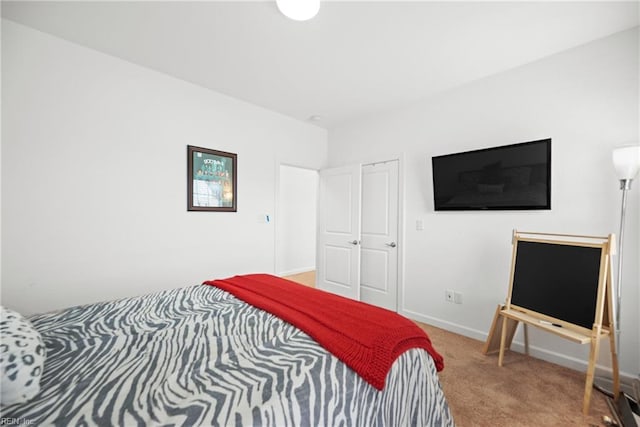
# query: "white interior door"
[[379, 235], [338, 266]]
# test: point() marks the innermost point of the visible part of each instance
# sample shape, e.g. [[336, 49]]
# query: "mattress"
[[199, 356]]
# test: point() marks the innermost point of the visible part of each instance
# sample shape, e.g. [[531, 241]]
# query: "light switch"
[[419, 225], [263, 218]]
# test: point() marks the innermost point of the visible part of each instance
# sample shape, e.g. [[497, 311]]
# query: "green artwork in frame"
[[211, 180]]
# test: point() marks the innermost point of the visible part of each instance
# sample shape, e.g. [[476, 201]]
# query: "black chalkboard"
[[557, 280]]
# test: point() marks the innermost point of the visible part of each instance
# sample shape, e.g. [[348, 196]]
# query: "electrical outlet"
[[457, 297], [449, 295]]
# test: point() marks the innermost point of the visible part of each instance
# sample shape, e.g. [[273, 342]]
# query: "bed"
[[201, 355]]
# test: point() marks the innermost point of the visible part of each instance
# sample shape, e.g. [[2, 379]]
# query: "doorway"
[[296, 221]]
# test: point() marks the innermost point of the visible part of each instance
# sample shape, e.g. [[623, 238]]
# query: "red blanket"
[[366, 338]]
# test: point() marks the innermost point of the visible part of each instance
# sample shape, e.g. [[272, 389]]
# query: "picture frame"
[[212, 178]]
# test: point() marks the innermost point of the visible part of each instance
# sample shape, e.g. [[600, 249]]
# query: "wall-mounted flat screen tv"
[[509, 177]]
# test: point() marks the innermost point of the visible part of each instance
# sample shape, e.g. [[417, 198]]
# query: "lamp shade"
[[626, 161], [299, 10]]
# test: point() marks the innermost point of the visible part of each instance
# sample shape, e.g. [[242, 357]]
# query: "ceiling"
[[353, 59]]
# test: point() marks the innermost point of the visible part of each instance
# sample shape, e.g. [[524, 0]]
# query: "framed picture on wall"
[[211, 180]]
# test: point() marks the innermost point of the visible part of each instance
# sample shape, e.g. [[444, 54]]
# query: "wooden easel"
[[507, 317]]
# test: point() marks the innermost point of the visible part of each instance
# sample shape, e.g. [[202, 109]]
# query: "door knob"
[[391, 245], [353, 242]]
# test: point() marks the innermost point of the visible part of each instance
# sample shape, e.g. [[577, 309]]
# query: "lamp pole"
[[625, 185]]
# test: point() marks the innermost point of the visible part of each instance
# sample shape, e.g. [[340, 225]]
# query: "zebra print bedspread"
[[198, 356]]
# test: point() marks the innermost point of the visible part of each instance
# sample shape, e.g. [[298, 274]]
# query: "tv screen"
[[509, 177]]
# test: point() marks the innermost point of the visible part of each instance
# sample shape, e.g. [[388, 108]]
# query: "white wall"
[[94, 176], [296, 226], [586, 99]]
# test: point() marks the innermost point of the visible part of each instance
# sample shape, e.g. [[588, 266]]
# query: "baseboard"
[[606, 383], [539, 353], [296, 271], [448, 326]]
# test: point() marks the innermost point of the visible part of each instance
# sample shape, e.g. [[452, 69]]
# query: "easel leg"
[[614, 365], [526, 339], [593, 356], [503, 340]]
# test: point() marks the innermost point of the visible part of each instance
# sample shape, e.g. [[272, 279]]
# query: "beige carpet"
[[524, 392]]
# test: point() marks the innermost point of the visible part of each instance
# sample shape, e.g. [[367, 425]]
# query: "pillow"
[[22, 354]]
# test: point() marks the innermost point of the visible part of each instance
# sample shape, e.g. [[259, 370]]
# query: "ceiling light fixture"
[[299, 10]]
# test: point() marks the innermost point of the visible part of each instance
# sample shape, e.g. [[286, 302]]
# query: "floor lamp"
[[626, 161]]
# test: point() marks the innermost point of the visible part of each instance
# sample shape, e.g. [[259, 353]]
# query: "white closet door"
[[379, 235], [339, 231]]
